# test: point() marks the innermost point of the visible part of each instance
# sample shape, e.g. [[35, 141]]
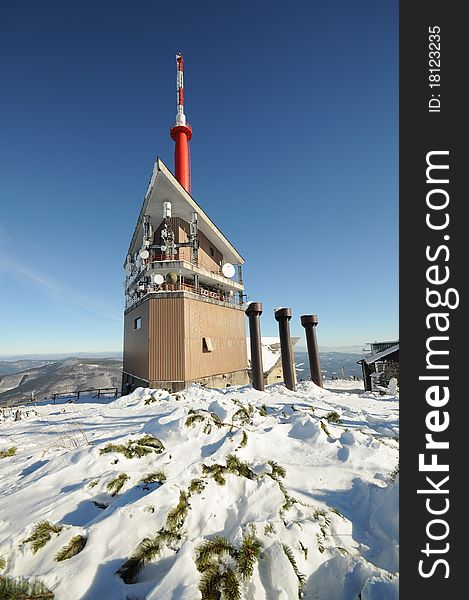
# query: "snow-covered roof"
[[271, 354], [371, 358], [164, 187]]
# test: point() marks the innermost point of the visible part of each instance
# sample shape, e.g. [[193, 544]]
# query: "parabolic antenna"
[[158, 279], [144, 254], [171, 278], [228, 270]]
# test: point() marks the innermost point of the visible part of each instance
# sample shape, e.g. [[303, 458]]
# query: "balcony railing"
[[233, 299]]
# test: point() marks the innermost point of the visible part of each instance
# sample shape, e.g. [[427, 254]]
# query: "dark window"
[[207, 345], [212, 252], [138, 323]]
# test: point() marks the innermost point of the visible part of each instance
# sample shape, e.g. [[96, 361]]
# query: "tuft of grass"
[[216, 420], [2, 563], [150, 441], [115, 485], [234, 466], [269, 528], [263, 410], [193, 418], [210, 583], [9, 452], [176, 516], [150, 400], [158, 476], [196, 486], [216, 471], [321, 515], [244, 440], [320, 544], [209, 419], [146, 551], [120, 448], [100, 504], [243, 414], [248, 555], [214, 561], [238, 467], [300, 576], [333, 417], [22, 589], [277, 470], [74, 546], [93, 483], [325, 429], [42, 534], [304, 549], [230, 585], [136, 449], [210, 549]]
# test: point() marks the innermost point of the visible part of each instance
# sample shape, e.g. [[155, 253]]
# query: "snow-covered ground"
[[327, 526]]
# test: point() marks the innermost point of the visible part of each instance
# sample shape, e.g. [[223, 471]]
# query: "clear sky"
[[294, 107]]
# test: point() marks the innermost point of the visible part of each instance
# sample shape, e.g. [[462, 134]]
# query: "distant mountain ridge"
[[57, 356], [20, 378], [337, 365], [58, 376]]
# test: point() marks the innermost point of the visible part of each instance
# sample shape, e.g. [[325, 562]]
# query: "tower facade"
[[183, 321]]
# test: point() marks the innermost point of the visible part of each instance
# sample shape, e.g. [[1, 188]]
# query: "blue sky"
[[294, 108]]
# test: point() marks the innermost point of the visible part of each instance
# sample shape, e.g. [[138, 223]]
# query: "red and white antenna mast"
[[181, 133]]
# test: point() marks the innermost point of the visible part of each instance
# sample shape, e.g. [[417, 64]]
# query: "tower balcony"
[[189, 278]]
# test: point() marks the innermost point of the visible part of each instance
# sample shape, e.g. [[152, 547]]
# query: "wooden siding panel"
[[166, 340], [227, 330], [136, 342]]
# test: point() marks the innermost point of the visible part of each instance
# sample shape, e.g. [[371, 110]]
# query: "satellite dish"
[[158, 279], [228, 270], [144, 254]]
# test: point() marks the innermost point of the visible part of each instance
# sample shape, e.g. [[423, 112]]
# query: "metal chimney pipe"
[[283, 316], [254, 311], [310, 322]]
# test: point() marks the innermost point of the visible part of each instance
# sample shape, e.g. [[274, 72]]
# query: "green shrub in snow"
[[7, 453], [158, 476], [196, 486], [333, 417], [22, 589], [75, 545], [301, 578], [42, 534], [214, 560], [115, 485], [136, 448]]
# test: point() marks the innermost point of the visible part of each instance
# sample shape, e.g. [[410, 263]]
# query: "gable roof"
[[371, 358], [164, 187]]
